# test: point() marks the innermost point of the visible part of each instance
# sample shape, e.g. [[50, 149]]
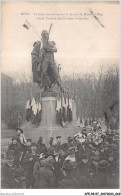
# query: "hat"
[[70, 139], [14, 138], [84, 129], [103, 163], [103, 136], [41, 138], [58, 137], [19, 129]]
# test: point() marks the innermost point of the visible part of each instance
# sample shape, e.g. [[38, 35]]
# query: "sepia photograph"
[[60, 73]]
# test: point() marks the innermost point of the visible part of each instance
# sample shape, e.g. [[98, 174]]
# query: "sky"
[[83, 44]]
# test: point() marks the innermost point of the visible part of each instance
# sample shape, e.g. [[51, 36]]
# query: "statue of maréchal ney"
[[45, 71]]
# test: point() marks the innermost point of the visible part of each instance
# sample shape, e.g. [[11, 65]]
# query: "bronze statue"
[[45, 71]]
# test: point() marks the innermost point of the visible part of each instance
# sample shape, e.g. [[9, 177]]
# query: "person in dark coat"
[[26, 147], [28, 163], [58, 141], [38, 164], [41, 148], [51, 141], [20, 136], [16, 150], [84, 131], [45, 175], [19, 177], [7, 174], [85, 123], [70, 142], [51, 149]]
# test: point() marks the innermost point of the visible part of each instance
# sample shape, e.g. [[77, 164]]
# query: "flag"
[[27, 24], [33, 103], [63, 102], [28, 110], [58, 107], [38, 113], [70, 104], [39, 107], [35, 109]]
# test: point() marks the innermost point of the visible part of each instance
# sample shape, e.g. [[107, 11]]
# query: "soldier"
[[44, 68]]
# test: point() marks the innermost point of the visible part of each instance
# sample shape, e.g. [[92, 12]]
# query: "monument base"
[[46, 132], [48, 115], [48, 126]]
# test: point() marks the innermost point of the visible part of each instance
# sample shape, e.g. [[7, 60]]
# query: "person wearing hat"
[[70, 142], [16, 150], [28, 144], [28, 164], [41, 147], [26, 147], [70, 163], [45, 176], [58, 138], [15, 147], [51, 141], [20, 136], [84, 167], [58, 143], [38, 164], [51, 149], [84, 131]]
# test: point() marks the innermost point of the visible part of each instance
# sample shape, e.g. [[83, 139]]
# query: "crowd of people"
[[89, 159]]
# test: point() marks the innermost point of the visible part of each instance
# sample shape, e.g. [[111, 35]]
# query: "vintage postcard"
[[60, 96]]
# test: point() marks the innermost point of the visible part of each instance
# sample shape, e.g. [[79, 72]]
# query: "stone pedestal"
[[48, 115], [48, 127]]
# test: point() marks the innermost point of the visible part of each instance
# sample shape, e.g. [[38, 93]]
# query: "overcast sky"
[[83, 45]]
